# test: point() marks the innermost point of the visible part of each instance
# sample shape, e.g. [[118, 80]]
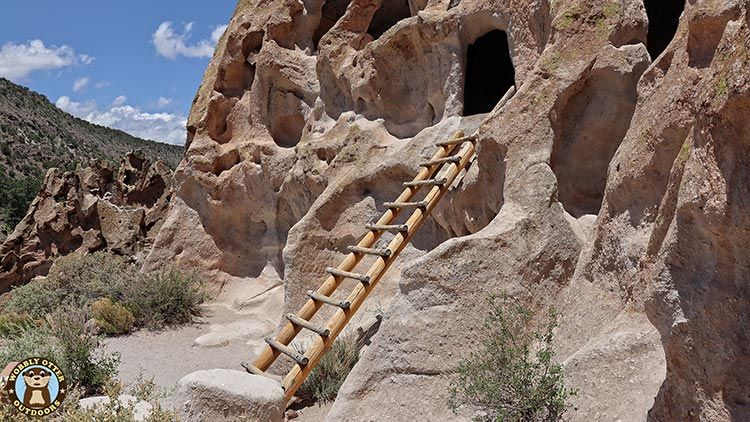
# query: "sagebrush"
[[155, 300], [63, 337], [511, 376], [58, 316]]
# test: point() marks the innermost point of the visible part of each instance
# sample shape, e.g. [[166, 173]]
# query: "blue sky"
[[134, 65]]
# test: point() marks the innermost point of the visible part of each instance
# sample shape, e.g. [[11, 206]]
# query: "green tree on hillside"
[[16, 195]]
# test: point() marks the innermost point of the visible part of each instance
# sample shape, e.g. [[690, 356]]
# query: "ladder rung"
[[456, 141], [428, 182], [296, 356], [451, 159], [385, 252], [294, 319], [420, 204], [388, 227], [343, 304], [355, 276], [254, 369]]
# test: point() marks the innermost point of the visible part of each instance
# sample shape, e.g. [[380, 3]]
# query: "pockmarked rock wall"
[[94, 208], [611, 187]]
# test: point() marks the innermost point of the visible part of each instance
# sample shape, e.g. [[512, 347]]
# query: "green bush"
[[16, 196], [112, 317], [511, 377], [164, 298], [63, 338], [76, 281], [12, 323], [326, 379], [78, 351]]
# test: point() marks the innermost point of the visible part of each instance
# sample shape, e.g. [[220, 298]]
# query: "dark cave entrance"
[[663, 19], [389, 14], [489, 72], [333, 10]]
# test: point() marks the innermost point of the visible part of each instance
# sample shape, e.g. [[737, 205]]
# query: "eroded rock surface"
[[227, 395], [612, 187], [90, 209]]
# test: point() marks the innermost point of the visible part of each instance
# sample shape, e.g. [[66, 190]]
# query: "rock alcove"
[[489, 72], [663, 18], [389, 14]]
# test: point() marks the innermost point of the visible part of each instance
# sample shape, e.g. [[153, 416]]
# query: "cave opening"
[[489, 72], [388, 15], [663, 19], [332, 11]]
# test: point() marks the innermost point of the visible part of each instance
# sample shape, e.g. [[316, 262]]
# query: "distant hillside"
[[35, 135]]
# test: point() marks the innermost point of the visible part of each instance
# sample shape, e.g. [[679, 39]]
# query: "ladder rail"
[[340, 319], [289, 331]]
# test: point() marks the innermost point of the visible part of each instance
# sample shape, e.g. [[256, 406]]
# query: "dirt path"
[[222, 338]]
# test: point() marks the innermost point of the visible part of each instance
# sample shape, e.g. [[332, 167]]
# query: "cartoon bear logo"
[[37, 391]]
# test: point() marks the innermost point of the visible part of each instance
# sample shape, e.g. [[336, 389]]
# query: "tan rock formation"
[[610, 187], [93, 208]]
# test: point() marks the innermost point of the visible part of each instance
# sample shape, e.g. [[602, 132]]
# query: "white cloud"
[[18, 60], [218, 32], [75, 108], [163, 102], [102, 84], [164, 127], [171, 44], [119, 101], [80, 83]]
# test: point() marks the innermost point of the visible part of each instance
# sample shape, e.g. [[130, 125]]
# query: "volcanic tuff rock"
[[612, 187], [90, 209], [35, 136], [228, 395]]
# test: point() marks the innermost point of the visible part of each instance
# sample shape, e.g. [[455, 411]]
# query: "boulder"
[[228, 395]]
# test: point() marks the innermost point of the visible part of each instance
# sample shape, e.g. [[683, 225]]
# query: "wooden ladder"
[[436, 174]]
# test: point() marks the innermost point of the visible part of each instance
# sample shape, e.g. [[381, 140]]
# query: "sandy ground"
[[171, 354]]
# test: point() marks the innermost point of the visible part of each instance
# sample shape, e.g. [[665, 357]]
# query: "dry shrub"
[[112, 317], [326, 379]]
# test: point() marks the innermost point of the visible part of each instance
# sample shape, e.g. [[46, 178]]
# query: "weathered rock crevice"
[[388, 15], [590, 120], [489, 72], [663, 18]]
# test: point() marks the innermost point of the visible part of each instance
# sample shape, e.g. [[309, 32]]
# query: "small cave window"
[[333, 10], [663, 19], [489, 72], [389, 14]]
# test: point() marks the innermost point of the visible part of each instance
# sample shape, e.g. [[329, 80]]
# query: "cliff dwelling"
[[489, 72]]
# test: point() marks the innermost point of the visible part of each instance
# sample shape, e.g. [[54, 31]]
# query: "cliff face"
[[612, 187], [90, 209]]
